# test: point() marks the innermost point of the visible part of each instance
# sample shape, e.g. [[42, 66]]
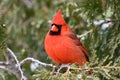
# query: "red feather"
[[64, 47]]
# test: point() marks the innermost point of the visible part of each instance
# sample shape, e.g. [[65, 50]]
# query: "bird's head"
[[58, 25]]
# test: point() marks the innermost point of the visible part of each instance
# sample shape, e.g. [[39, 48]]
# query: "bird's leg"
[[53, 70], [62, 66], [67, 72]]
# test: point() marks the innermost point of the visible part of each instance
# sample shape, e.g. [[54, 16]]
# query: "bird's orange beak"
[[54, 28]]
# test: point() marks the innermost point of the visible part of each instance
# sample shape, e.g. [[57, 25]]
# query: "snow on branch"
[[86, 33]]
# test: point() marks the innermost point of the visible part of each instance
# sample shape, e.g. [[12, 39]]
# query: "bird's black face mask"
[[55, 29]]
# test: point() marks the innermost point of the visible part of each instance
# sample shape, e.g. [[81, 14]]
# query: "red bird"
[[62, 45]]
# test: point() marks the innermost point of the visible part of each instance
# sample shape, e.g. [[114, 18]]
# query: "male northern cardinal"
[[62, 45]]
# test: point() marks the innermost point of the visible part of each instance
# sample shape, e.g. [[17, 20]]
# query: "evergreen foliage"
[[27, 22], [3, 36]]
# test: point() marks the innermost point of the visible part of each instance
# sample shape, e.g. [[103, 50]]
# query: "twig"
[[86, 33], [12, 65], [28, 3], [3, 63], [106, 67], [36, 61]]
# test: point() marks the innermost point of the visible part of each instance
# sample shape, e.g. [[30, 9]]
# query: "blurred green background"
[[27, 22]]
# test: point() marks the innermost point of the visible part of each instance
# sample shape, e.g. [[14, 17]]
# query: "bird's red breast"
[[62, 45]]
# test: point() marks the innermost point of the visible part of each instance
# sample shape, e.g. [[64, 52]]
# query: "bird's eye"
[[54, 28]]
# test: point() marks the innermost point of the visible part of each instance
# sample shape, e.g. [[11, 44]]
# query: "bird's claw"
[[62, 66]]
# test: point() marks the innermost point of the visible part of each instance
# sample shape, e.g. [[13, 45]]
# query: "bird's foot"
[[53, 71], [62, 66], [67, 72]]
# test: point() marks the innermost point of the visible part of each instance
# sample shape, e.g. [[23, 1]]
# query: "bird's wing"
[[78, 43]]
